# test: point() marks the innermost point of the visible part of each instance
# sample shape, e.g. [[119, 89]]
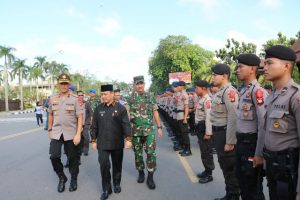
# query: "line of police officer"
[[251, 129]]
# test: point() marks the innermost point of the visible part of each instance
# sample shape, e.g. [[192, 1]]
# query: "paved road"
[[26, 172]]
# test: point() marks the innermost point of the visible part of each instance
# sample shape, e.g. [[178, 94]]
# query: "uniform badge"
[[276, 124], [232, 95], [245, 106], [259, 97], [246, 113]]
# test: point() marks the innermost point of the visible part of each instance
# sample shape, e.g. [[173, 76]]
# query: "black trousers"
[[205, 149], [250, 179], [191, 121], [116, 160], [227, 163], [39, 117], [86, 138], [71, 152], [183, 129]]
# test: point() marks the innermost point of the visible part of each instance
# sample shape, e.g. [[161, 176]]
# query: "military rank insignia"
[[232, 95], [259, 97]]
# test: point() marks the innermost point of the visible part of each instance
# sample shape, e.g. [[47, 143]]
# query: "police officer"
[[182, 110], [204, 131], [65, 126], [109, 129], [282, 125], [250, 122], [192, 107], [223, 118], [178, 145], [143, 112]]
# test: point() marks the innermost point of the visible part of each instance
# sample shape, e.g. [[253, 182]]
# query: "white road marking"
[[188, 169], [19, 134]]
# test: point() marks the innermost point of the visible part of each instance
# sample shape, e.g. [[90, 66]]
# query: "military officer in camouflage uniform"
[[204, 131], [94, 100], [64, 128], [250, 123], [282, 125], [223, 118], [143, 112]]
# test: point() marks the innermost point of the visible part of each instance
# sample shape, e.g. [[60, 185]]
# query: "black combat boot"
[[73, 183], [186, 152], [150, 181], [141, 177], [62, 180]]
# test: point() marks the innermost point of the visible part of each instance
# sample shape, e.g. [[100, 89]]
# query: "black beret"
[[181, 83], [281, 52], [174, 84], [248, 59], [105, 88], [221, 69], [201, 83]]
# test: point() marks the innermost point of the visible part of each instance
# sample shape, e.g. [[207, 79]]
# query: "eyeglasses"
[[80, 95]]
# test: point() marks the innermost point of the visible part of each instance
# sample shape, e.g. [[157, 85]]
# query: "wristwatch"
[[49, 129], [159, 127]]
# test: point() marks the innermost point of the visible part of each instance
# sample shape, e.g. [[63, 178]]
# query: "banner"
[[180, 76]]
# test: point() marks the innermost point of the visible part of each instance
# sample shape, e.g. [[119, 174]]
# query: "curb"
[[22, 112]]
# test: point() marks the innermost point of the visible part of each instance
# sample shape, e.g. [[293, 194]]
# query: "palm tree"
[[20, 70], [6, 52], [38, 72], [77, 79]]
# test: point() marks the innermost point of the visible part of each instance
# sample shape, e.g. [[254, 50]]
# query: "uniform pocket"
[[246, 113], [278, 123]]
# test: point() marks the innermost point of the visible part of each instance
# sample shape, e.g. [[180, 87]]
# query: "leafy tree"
[[176, 54]]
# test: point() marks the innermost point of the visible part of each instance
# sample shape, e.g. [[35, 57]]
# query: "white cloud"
[[73, 12], [121, 62], [213, 44], [108, 27], [271, 3], [209, 43]]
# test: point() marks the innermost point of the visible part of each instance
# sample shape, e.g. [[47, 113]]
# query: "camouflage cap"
[[138, 79], [64, 78]]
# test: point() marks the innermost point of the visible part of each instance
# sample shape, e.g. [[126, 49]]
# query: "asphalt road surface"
[[26, 172]]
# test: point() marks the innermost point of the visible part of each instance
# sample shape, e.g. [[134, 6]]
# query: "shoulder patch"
[[232, 95], [259, 97], [207, 104]]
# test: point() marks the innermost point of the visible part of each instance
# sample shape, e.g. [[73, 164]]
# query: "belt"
[[179, 111], [219, 128], [246, 137], [285, 152]]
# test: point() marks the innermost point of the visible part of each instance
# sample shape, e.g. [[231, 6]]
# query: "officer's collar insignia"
[[284, 90]]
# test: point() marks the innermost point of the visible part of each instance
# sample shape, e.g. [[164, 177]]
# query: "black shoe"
[[73, 183], [173, 139], [206, 179], [150, 181], [105, 195], [141, 177], [177, 148], [86, 154], [202, 174], [62, 180], [186, 153], [67, 164], [45, 129], [117, 189]]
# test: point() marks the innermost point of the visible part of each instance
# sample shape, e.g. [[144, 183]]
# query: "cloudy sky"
[[113, 39]]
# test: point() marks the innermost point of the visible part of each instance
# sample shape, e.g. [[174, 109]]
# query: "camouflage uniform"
[[142, 121], [94, 102]]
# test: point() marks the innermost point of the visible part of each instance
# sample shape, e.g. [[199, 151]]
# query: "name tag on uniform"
[[102, 113]]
